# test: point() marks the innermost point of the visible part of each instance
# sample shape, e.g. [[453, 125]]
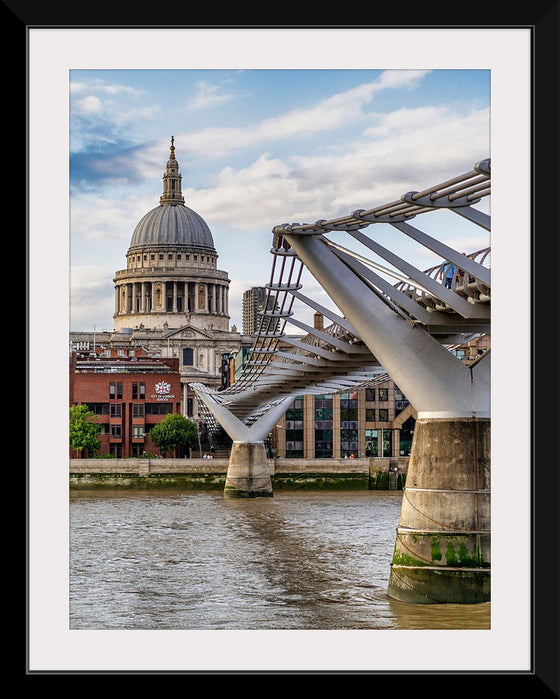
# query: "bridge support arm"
[[432, 378], [248, 475]]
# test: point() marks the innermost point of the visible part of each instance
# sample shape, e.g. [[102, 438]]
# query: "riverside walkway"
[[377, 473]]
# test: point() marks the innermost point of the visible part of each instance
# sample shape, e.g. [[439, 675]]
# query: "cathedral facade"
[[171, 298]]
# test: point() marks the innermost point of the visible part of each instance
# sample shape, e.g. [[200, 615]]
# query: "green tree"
[[83, 431], [174, 431]]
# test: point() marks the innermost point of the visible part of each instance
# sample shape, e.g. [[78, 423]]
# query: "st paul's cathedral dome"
[[171, 279]]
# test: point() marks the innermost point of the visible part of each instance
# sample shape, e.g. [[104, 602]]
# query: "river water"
[[154, 560]]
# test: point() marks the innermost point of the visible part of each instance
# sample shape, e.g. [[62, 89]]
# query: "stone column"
[[396, 442], [184, 396], [205, 296]]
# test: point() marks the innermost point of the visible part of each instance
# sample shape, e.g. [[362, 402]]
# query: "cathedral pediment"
[[188, 332]]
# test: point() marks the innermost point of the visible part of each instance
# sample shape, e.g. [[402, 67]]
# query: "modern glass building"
[[375, 421]]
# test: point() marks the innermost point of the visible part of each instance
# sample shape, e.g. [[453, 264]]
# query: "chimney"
[[318, 321]]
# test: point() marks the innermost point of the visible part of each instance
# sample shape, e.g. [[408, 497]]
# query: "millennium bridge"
[[393, 320]]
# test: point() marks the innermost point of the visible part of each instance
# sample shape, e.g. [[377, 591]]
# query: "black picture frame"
[[543, 20]]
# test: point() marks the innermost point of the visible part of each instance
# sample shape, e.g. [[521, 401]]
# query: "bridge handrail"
[[461, 281]]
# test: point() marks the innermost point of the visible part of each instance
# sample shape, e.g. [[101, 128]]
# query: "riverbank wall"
[[209, 474]]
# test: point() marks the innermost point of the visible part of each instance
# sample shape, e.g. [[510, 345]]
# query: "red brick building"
[[129, 392]]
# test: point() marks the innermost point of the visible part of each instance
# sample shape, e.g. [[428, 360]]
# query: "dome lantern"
[[172, 180]]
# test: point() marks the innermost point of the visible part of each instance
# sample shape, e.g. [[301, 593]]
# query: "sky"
[[257, 148]]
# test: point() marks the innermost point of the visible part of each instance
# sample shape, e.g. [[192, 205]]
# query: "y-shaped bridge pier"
[[442, 550]]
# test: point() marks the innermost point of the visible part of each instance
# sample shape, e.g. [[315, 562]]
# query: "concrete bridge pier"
[[442, 548], [248, 475]]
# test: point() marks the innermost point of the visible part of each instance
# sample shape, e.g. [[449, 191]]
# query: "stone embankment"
[[205, 474]]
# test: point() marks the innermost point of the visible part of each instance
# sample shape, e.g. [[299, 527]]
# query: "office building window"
[[159, 408], [400, 401], [349, 424], [323, 426], [387, 442], [406, 435], [371, 442], [323, 411], [294, 429], [99, 408]]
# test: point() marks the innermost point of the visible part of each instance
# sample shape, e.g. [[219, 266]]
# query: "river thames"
[[178, 560]]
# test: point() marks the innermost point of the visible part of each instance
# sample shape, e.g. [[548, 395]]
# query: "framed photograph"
[[260, 115]]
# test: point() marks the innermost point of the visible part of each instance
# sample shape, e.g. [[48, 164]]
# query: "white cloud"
[[92, 295], [417, 148], [208, 95], [109, 218], [341, 109], [88, 105], [131, 115], [99, 112], [102, 87], [251, 197]]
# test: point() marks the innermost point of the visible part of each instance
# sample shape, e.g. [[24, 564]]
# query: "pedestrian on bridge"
[[461, 274], [447, 271]]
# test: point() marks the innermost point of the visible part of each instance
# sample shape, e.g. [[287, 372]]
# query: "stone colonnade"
[[173, 296]]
